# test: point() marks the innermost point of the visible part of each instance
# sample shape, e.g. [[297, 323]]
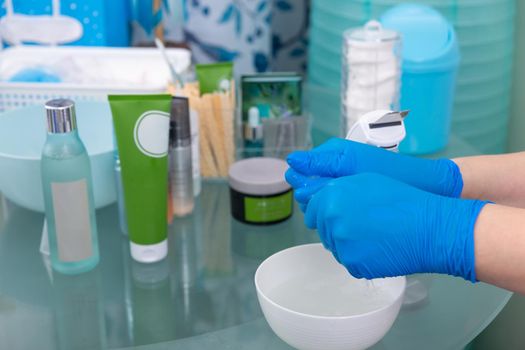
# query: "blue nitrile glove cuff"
[[457, 180], [455, 247], [452, 180]]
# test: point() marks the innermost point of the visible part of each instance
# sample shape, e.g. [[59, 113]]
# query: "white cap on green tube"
[[149, 253]]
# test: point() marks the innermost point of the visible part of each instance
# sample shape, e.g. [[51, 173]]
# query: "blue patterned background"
[[290, 23], [230, 30]]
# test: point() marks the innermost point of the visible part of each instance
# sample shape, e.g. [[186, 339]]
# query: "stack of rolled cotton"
[[371, 74]]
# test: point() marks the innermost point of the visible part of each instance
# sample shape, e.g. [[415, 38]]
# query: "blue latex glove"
[[379, 227], [305, 186], [339, 157]]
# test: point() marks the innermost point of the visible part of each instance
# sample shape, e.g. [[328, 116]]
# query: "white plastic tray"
[[103, 71]]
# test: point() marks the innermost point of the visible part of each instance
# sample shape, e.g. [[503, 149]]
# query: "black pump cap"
[[180, 132]]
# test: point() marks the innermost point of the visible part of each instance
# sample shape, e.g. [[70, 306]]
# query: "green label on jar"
[[268, 209]]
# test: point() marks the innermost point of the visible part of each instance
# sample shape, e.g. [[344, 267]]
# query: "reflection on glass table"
[[202, 296]]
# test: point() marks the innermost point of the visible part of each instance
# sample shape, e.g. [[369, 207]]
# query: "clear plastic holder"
[[371, 72], [280, 137]]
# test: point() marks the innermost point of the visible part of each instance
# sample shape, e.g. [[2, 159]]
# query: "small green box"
[[276, 95]]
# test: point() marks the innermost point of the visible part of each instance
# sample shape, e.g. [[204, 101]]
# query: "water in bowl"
[[331, 296]]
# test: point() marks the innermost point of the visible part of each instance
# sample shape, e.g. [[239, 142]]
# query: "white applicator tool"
[[381, 128]]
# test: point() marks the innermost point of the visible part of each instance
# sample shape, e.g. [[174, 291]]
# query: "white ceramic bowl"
[[304, 329], [22, 136]]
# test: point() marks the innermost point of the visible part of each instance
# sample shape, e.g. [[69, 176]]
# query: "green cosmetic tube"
[[214, 77], [141, 125]]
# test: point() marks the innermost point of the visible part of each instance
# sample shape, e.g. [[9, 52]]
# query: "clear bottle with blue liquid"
[[68, 193]]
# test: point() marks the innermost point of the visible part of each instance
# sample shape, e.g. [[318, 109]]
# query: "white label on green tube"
[[149, 137], [72, 224]]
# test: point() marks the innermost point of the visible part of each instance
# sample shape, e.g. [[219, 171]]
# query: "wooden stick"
[[228, 113], [212, 136], [218, 143], [208, 167], [222, 157]]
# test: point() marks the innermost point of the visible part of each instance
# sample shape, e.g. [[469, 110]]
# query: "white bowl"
[[311, 302], [22, 137]]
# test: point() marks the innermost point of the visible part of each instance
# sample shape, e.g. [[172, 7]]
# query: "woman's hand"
[[380, 227], [339, 157]]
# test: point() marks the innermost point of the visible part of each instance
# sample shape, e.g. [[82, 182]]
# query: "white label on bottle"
[[72, 224]]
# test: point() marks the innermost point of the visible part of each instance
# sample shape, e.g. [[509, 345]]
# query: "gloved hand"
[[339, 157], [379, 227]]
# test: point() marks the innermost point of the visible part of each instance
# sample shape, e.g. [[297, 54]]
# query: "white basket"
[[146, 63]]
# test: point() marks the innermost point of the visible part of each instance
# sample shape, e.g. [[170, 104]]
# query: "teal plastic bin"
[[430, 64]]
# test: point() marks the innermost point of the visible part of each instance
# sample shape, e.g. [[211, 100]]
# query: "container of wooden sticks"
[[216, 114]]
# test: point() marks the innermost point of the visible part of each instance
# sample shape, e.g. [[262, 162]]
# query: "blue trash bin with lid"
[[430, 63]]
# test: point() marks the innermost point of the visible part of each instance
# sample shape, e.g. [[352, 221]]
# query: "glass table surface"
[[201, 296]]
